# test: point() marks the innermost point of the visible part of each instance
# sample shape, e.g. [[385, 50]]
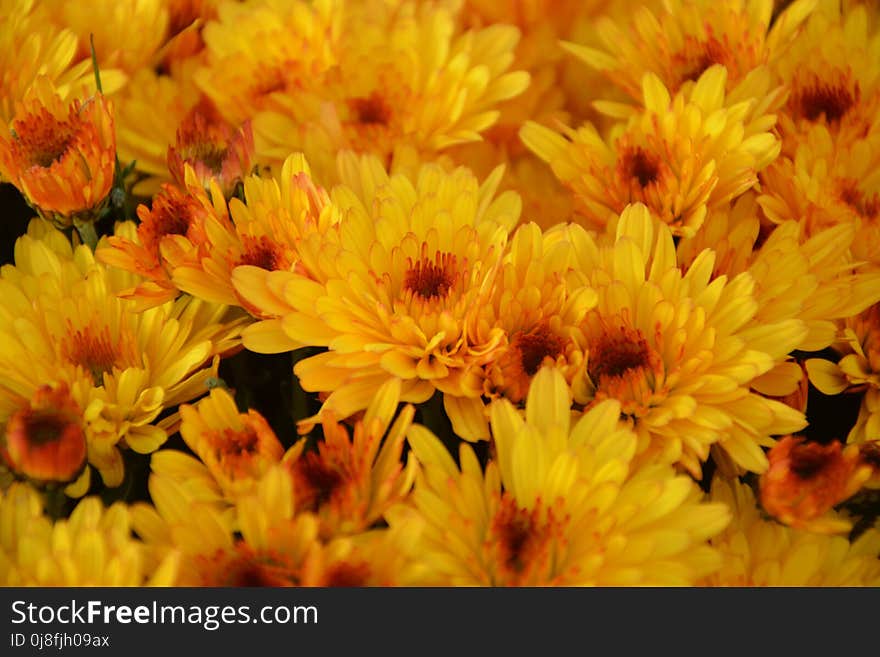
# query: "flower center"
[[348, 574], [44, 427], [697, 56], [831, 100], [522, 540], [639, 165], [537, 345], [618, 352], [262, 252], [315, 481], [808, 460], [372, 110], [95, 351], [44, 138], [432, 279], [851, 195], [246, 568]]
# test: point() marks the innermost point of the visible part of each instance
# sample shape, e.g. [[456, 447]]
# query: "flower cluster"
[[441, 293]]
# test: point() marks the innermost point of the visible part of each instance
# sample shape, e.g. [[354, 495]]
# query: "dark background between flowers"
[[266, 384]]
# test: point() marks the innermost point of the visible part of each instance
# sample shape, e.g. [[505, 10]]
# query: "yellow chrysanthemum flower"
[[399, 77], [540, 308], [679, 156], [62, 322], [813, 279], [561, 505], [832, 72], [760, 552], [266, 541], [126, 33], [826, 184], [393, 289], [237, 448], [93, 547], [261, 50], [32, 45], [683, 38], [679, 350]]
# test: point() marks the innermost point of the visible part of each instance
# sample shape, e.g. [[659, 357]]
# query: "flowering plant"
[[440, 292]]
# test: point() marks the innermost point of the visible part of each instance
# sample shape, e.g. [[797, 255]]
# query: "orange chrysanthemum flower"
[[540, 308], [806, 479], [237, 448], [350, 481], [169, 232], [61, 157], [45, 440], [214, 151]]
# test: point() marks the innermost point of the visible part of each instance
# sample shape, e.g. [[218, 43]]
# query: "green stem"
[[87, 234]]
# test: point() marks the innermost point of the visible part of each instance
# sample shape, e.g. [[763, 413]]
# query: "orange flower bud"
[[45, 440], [61, 157], [213, 149], [806, 479]]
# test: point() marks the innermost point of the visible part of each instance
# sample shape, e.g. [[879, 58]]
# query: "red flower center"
[[639, 165], [429, 279], [537, 345], [372, 110]]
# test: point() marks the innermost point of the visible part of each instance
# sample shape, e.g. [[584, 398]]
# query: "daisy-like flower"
[[352, 478], [827, 184], [62, 322], [833, 77], [192, 240], [806, 479], [761, 552], [393, 292], [812, 279], [237, 448], [126, 33], [169, 232], [31, 45], [262, 50], [561, 505], [60, 156], [679, 156], [266, 540], [44, 440], [540, 307], [347, 482], [400, 77], [683, 38], [93, 547], [267, 231], [857, 370], [680, 350]]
